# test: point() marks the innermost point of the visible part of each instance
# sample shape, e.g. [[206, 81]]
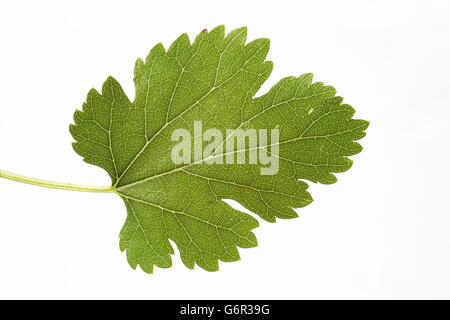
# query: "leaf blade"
[[213, 80]]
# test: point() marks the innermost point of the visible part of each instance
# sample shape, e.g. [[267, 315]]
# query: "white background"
[[382, 231]]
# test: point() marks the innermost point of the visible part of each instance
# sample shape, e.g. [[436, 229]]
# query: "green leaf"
[[212, 80]]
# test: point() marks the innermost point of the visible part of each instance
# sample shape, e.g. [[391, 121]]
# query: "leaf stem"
[[54, 185]]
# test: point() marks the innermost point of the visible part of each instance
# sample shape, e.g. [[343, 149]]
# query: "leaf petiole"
[[54, 185]]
